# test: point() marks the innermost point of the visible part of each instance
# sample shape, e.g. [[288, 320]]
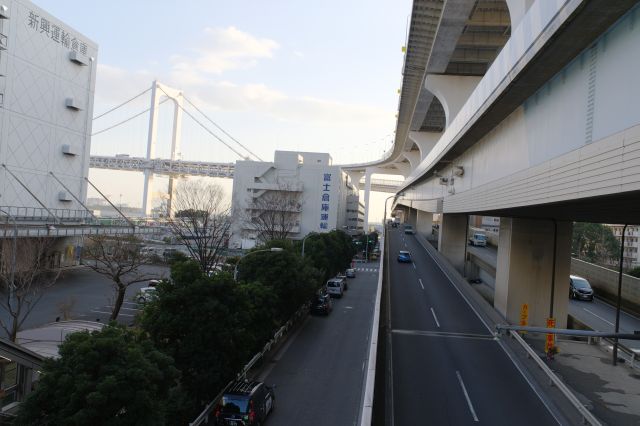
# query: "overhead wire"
[[205, 127], [221, 129], [122, 104], [127, 120]]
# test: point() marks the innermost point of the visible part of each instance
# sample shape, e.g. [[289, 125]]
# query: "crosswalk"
[[367, 269]]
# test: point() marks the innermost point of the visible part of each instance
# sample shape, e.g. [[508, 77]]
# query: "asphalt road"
[[446, 368], [91, 297], [319, 374], [601, 316]]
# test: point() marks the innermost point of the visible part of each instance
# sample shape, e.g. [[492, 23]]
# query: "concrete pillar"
[[367, 192], [517, 10], [147, 192], [413, 217], [425, 141], [176, 142], [525, 266], [452, 239], [413, 157], [424, 223], [452, 91]]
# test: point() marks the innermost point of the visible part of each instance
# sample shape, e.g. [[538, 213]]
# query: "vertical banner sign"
[[524, 316], [325, 206], [551, 339]]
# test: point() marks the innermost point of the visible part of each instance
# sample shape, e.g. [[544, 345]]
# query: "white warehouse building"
[[314, 193], [47, 80]]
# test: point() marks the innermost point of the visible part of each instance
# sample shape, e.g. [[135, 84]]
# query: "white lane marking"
[[130, 309], [405, 245], [414, 265], [466, 395], [502, 346], [421, 285], [120, 314], [598, 316], [435, 317]]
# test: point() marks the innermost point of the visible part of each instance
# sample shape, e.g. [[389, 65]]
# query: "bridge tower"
[[177, 97]]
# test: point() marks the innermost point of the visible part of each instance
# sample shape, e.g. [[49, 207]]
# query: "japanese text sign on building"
[[524, 316], [55, 33], [551, 338], [325, 201]]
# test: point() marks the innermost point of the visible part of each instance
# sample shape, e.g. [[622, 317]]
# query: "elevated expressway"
[[524, 110]]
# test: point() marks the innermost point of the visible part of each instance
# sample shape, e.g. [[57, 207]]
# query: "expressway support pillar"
[[526, 266], [452, 239], [367, 192], [424, 223]]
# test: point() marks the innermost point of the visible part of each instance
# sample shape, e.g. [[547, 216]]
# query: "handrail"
[[586, 414]]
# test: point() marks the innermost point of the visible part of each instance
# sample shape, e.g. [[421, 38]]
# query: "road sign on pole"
[[551, 338]]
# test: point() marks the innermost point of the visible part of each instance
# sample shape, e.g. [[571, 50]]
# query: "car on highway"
[[335, 287], [146, 294], [408, 229], [350, 273], [404, 256], [478, 239], [245, 403], [343, 276], [321, 303], [579, 288]]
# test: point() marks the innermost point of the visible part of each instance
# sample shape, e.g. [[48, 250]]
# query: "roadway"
[[446, 367], [601, 316], [319, 373]]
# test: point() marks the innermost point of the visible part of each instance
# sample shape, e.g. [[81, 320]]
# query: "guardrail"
[[555, 381], [203, 418]]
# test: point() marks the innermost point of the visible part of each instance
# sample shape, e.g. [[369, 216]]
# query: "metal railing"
[[25, 214], [203, 418]]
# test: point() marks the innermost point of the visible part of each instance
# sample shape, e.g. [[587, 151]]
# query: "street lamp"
[[384, 218], [303, 241], [272, 249]]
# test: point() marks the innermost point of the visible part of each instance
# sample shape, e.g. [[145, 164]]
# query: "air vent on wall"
[[73, 104], [4, 12], [69, 149], [64, 196], [77, 58]]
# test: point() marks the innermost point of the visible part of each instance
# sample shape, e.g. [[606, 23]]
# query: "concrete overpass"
[[524, 110]]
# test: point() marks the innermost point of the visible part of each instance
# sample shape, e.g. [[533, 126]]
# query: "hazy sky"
[[275, 74]]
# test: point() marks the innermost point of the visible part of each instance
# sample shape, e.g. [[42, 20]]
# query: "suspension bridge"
[[175, 167]]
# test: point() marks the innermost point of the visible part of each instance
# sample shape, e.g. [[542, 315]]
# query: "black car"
[[579, 288], [321, 303], [245, 403]]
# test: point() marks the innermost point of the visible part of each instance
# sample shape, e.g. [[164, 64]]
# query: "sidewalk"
[[612, 393]]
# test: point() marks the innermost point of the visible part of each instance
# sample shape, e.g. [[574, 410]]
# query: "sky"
[[276, 74]]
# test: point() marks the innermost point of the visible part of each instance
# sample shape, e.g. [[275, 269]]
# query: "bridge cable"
[[205, 127], [128, 119], [122, 104], [221, 129]]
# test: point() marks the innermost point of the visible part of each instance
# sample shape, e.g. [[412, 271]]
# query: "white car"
[[146, 294], [335, 287]]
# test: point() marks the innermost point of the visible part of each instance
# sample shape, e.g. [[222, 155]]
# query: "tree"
[[119, 258], [24, 278], [108, 377], [205, 324], [201, 221], [291, 279], [274, 214], [330, 252], [594, 242], [635, 272]]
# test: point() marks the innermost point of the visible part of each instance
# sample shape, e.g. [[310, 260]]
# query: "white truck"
[[478, 239]]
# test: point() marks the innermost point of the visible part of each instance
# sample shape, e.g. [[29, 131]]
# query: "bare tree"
[[119, 258], [24, 279], [274, 214], [201, 221]]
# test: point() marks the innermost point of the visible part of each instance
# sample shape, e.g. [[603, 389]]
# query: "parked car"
[[146, 294], [335, 287], [343, 276], [321, 303], [408, 229], [245, 403], [404, 256], [579, 288], [350, 273], [478, 239], [153, 283]]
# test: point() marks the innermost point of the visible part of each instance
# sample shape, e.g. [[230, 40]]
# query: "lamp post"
[[15, 241], [303, 241], [272, 249], [384, 218]]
